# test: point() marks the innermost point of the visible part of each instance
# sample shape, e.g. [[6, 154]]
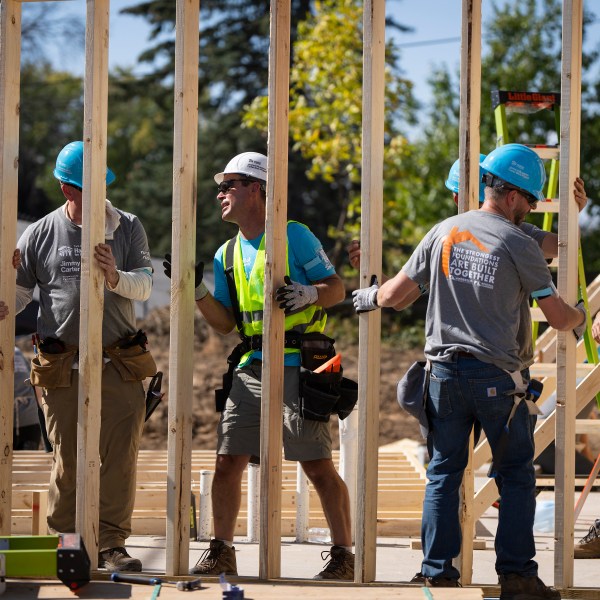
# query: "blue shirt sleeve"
[[221, 290], [308, 261]]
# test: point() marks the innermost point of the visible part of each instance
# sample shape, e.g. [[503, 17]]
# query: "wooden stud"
[[271, 425], [468, 199], [10, 59], [92, 277], [568, 246], [369, 328], [181, 357]]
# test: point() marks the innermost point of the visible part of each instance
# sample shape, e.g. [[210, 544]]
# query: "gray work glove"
[[293, 296], [580, 329], [200, 289], [365, 299]]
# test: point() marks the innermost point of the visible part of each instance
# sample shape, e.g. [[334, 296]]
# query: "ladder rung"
[[548, 206], [549, 369], [587, 426], [547, 152]]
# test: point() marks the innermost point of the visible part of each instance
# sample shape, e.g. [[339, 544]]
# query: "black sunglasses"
[[531, 199], [225, 186]]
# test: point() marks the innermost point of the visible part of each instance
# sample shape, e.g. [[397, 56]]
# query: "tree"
[[51, 105], [326, 113]]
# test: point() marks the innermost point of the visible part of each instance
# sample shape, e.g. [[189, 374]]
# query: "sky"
[[435, 40], [433, 21]]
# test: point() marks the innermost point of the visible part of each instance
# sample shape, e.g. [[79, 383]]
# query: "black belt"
[[292, 339]]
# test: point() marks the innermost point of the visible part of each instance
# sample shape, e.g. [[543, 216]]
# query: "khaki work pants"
[[122, 422]]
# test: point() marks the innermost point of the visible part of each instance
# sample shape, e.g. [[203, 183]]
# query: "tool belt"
[[320, 394], [52, 366], [131, 358]]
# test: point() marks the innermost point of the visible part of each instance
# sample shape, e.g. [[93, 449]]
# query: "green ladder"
[[530, 102]]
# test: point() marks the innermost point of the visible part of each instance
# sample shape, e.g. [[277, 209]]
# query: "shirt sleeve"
[[134, 285], [307, 254], [221, 290], [138, 256], [533, 270], [417, 267], [534, 232]]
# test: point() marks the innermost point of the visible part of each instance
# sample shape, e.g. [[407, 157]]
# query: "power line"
[[435, 42]]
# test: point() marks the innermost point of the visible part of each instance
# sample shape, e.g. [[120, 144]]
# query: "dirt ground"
[[210, 353]]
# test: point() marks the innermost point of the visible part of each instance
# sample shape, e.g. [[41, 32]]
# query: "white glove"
[[580, 329], [295, 296], [365, 299]]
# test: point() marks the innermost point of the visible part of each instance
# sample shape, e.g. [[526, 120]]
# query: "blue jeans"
[[460, 393]]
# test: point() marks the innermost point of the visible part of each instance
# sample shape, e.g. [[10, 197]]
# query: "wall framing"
[[184, 204]]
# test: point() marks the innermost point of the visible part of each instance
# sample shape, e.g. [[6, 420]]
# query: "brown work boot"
[[517, 587], [435, 581], [117, 559], [216, 559], [340, 565], [589, 546]]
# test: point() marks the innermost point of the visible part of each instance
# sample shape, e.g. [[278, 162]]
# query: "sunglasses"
[[225, 186], [531, 199]]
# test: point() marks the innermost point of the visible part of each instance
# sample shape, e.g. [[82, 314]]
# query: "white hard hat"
[[251, 164]]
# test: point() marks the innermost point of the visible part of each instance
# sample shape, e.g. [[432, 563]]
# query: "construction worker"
[[547, 241], [479, 266], [311, 286], [51, 260]]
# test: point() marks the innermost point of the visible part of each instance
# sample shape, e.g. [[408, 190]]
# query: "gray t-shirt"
[[524, 335], [481, 269], [51, 259]]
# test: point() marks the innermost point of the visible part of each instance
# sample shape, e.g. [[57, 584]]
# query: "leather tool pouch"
[[319, 394], [131, 359], [52, 366]]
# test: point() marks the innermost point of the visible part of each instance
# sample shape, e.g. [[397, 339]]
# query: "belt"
[[465, 354]]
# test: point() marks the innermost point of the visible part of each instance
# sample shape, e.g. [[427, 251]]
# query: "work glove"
[[200, 289], [580, 329], [293, 296], [365, 299]]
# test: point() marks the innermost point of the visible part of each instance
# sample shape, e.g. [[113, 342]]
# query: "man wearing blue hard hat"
[[547, 241], [479, 267], [51, 260]]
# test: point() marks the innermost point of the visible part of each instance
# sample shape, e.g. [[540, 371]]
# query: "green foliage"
[[326, 116], [51, 116]]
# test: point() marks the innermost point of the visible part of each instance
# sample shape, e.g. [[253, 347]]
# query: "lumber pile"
[[401, 487]]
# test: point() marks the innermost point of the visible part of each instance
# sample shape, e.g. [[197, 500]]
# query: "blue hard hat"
[[518, 166], [452, 183], [69, 166]]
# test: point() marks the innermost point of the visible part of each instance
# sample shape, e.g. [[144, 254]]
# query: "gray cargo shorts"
[[239, 427]]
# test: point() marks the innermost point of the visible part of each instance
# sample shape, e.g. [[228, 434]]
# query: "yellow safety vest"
[[250, 293]]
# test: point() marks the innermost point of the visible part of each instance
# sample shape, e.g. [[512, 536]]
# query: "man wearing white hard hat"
[[311, 286]]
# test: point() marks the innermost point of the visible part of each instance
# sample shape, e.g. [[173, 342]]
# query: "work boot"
[[589, 546], [117, 559], [518, 587], [216, 559], [435, 581], [340, 565]]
